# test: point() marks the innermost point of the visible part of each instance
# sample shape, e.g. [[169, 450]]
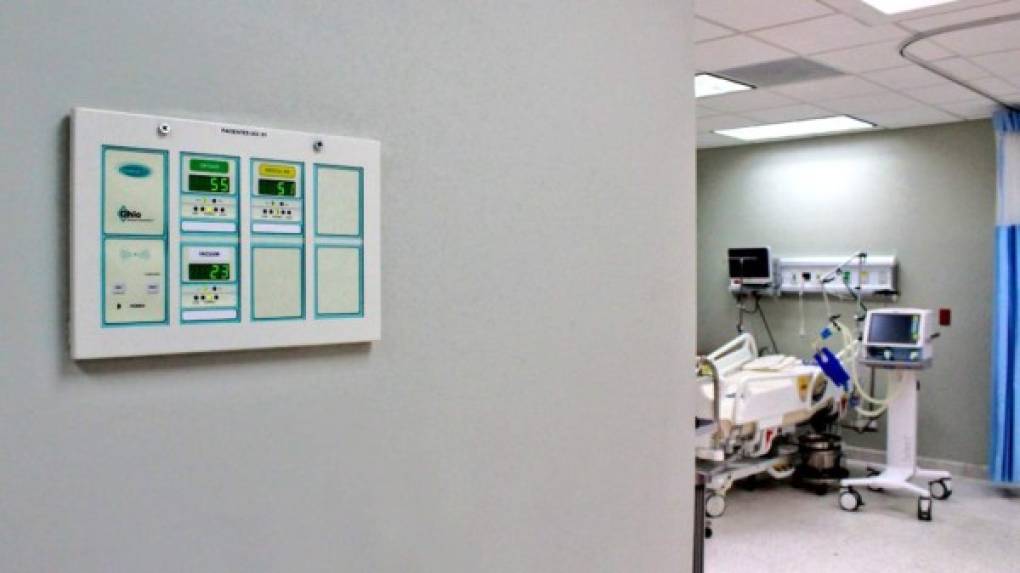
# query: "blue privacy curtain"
[[1004, 445]]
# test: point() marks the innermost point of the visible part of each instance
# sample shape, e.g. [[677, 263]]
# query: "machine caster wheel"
[[924, 505], [941, 489], [850, 500], [708, 533], [715, 505], [874, 473]]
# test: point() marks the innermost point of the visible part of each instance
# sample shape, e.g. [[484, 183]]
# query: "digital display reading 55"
[[277, 188], [209, 183], [209, 272]]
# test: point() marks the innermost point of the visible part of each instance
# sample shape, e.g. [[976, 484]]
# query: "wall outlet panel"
[[196, 236], [804, 274]]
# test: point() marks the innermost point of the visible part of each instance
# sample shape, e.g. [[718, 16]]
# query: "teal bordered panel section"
[[253, 194], [361, 198], [102, 283], [361, 282], [103, 235], [254, 272], [222, 240], [102, 188], [236, 194]]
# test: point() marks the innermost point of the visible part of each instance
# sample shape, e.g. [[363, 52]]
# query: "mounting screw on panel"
[[163, 129], [318, 145]]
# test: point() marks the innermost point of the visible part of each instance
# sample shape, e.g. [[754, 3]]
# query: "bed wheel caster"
[[850, 500], [708, 533], [715, 505], [924, 505], [941, 489]]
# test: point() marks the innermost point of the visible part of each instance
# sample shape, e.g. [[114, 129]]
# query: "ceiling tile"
[[942, 93], [996, 86], [708, 31], [974, 109], [829, 33], [962, 68], [706, 140], [723, 122], [1004, 64], [748, 101], [735, 51], [753, 14], [866, 13], [983, 40], [706, 112], [904, 78], [960, 16], [834, 88], [885, 101], [881, 56], [927, 50], [920, 115], [788, 113]]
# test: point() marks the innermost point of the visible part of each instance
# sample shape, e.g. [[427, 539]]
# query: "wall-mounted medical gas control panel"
[[194, 236]]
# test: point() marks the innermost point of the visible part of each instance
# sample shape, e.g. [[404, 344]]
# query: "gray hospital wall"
[[925, 194], [523, 410]]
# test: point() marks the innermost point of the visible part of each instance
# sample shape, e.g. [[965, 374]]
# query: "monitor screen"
[[894, 328], [750, 264]]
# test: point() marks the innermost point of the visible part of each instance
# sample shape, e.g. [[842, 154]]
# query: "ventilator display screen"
[[209, 272], [278, 188], [894, 328]]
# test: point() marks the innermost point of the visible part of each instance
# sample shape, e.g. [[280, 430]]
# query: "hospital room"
[[538, 286]]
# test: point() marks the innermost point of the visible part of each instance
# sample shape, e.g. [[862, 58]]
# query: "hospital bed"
[[756, 404]]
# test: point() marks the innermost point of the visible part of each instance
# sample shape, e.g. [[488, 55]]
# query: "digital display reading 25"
[[209, 183], [209, 272], [277, 188]]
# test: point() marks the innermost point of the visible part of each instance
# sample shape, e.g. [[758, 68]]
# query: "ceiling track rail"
[[931, 67]]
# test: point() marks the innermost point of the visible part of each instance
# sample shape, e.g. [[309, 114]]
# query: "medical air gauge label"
[[277, 197], [195, 236]]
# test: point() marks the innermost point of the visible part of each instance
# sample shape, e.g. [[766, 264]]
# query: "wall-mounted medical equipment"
[[899, 340], [750, 268], [869, 275], [194, 236]]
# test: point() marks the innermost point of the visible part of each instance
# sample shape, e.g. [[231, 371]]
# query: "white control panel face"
[[193, 236]]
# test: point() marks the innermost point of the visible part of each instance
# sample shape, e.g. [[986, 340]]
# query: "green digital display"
[[209, 271], [209, 183], [277, 188]]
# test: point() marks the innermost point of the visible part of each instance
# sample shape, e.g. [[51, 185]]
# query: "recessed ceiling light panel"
[[899, 6], [801, 128], [708, 85]]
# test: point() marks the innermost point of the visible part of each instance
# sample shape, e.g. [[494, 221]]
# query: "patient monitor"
[[750, 267], [898, 338]]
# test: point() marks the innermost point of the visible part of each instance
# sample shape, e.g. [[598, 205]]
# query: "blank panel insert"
[[338, 290], [277, 282], [338, 209]]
